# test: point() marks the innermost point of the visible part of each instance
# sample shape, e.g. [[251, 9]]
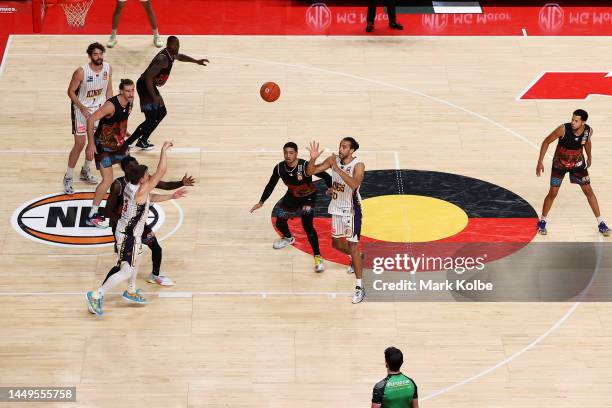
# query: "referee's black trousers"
[[390, 4]]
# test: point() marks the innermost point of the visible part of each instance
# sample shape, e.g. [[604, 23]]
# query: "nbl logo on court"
[[60, 220]]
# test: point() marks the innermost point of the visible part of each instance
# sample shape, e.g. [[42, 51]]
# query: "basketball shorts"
[[106, 157], [147, 103], [347, 226], [79, 123], [290, 206], [129, 248], [147, 238], [575, 166]]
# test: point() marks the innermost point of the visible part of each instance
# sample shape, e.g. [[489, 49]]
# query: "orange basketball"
[[269, 92]]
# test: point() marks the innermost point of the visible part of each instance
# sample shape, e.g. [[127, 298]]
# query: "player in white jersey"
[[345, 205], [89, 88], [136, 198]]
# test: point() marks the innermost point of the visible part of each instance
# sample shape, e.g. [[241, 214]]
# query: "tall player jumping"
[[299, 201], [151, 102], [90, 86], [107, 145], [345, 205], [573, 140]]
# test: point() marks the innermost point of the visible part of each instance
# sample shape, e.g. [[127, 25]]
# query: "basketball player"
[[130, 227], [112, 41], [299, 201], [90, 86], [151, 102], [107, 143], [345, 205], [114, 205], [396, 390], [573, 139]]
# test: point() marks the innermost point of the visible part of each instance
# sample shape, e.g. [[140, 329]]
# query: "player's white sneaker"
[[68, 189], [359, 295], [283, 242], [112, 41], [87, 176], [157, 41], [319, 265], [160, 280]]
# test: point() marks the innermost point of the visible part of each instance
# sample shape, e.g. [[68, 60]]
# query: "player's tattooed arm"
[[555, 134], [186, 58], [108, 109]]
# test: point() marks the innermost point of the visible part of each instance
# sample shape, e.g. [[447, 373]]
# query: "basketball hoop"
[[76, 11]]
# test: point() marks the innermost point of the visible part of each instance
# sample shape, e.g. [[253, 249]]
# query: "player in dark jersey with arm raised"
[[573, 140], [299, 201], [114, 205], [151, 102], [396, 390]]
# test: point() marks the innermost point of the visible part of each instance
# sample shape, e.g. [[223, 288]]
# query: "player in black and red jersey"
[[151, 102], [299, 201], [573, 141]]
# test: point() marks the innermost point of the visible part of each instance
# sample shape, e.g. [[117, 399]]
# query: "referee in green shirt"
[[396, 390]]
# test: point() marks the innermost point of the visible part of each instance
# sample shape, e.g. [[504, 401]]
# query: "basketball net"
[[76, 11]]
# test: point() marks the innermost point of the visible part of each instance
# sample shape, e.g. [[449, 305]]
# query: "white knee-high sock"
[[132, 281], [124, 274]]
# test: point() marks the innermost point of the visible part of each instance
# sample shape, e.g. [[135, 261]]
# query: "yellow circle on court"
[[411, 218]]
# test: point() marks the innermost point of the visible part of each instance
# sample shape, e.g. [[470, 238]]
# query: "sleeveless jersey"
[[344, 200], [570, 141], [163, 75], [133, 216], [92, 91], [569, 151], [110, 133]]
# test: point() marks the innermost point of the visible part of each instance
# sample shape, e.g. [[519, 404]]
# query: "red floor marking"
[[570, 85], [479, 230]]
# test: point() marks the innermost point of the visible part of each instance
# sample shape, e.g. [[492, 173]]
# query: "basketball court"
[[249, 326]]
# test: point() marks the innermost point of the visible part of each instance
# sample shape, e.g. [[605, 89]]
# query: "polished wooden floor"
[[247, 326]]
